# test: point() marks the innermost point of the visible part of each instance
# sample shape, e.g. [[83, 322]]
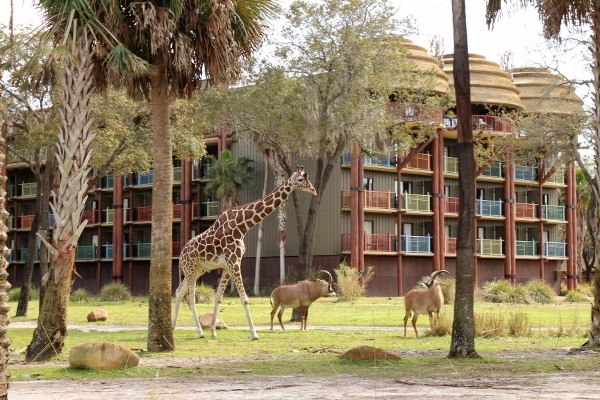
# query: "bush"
[[540, 291], [518, 324], [348, 286], [441, 326], [518, 294], [204, 294], [448, 289], [574, 296], [14, 294], [79, 296], [495, 291], [489, 325], [586, 289], [114, 292]]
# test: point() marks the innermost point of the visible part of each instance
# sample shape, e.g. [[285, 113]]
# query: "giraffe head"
[[299, 180]]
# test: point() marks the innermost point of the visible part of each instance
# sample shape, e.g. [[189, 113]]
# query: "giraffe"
[[222, 246]]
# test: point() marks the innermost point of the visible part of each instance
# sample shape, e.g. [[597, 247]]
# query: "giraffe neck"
[[253, 213]]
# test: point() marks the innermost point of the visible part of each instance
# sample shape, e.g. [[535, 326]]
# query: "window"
[[368, 184]]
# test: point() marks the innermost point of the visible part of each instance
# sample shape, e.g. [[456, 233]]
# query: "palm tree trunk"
[[160, 332], [463, 327], [256, 288], [73, 155]]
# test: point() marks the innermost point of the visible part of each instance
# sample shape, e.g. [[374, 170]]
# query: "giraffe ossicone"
[[222, 246]]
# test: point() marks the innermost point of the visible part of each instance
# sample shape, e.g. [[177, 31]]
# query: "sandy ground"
[[563, 385]]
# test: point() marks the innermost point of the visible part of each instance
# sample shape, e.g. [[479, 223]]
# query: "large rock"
[[102, 356], [206, 320], [369, 353], [97, 315]]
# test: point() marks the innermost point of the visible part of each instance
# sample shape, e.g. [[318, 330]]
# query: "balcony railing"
[[146, 178], [23, 254], [526, 248], [558, 176], [416, 202], [87, 252], [26, 221], [176, 174], [372, 199], [373, 242], [11, 191], [109, 215], [450, 245], [526, 173], [144, 213], [28, 189], [107, 251], [484, 123], [450, 165], [210, 209], [489, 208], [489, 247], [452, 205], [176, 211], [494, 170], [526, 210], [375, 160], [556, 213], [10, 222], [142, 250], [91, 216], [555, 249], [416, 244], [176, 249], [420, 161]]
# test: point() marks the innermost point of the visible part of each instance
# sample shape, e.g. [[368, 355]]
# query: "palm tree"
[[187, 42], [554, 15], [228, 176], [463, 327]]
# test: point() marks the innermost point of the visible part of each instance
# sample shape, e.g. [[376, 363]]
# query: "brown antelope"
[[424, 300]]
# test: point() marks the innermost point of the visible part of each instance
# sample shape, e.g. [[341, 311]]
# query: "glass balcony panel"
[[489, 247], [556, 213], [526, 248], [489, 208], [416, 244]]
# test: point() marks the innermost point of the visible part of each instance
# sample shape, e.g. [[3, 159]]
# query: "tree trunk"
[[463, 327], [260, 235], [5, 341], [73, 155], [160, 332]]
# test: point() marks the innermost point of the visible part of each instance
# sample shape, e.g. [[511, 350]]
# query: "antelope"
[[301, 294], [424, 300]]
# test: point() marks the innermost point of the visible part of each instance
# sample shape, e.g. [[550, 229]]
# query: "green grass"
[[554, 328]]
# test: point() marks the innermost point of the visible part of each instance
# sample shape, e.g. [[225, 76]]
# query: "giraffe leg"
[[218, 297], [239, 284]]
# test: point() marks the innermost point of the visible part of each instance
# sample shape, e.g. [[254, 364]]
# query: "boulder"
[[369, 353], [103, 356], [97, 315], [206, 320]]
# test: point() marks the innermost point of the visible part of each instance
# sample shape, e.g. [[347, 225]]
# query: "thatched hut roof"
[[546, 93], [424, 62], [490, 85]]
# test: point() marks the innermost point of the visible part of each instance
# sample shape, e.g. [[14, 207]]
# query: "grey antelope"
[[301, 294], [429, 299]]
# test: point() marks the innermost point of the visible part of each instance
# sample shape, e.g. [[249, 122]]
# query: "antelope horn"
[[434, 275], [326, 272]]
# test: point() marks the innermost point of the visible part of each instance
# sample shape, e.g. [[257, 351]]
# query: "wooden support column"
[[186, 202], [399, 267], [117, 231], [439, 242], [361, 215], [571, 215], [355, 192], [509, 222], [541, 223]]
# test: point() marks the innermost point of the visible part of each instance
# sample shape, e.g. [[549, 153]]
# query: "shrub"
[[489, 325], [540, 291], [114, 292], [348, 285], [204, 293], [495, 291], [441, 326], [518, 294], [574, 296], [518, 324], [14, 294], [79, 296], [448, 289], [586, 289]]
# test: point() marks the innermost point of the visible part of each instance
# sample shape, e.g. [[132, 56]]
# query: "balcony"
[[555, 249], [526, 248], [413, 112], [489, 208], [176, 174], [176, 249], [490, 123], [142, 250], [176, 211], [450, 245], [109, 215], [86, 252], [144, 213], [107, 251], [494, 170], [451, 165], [385, 243], [10, 222], [28, 189], [372, 199], [145, 178], [108, 182], [556, 213], [23, 254], [210, 209], [526, 210], [489, 247], [421, 161], [452, 205], [416, 202], [26, 221], [557, 177], [416, 244], [11, 191], [526, 173], [92, 216]]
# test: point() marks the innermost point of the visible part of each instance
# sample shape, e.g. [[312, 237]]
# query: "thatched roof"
[[424, 62], [490, 85], [546, 93]]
